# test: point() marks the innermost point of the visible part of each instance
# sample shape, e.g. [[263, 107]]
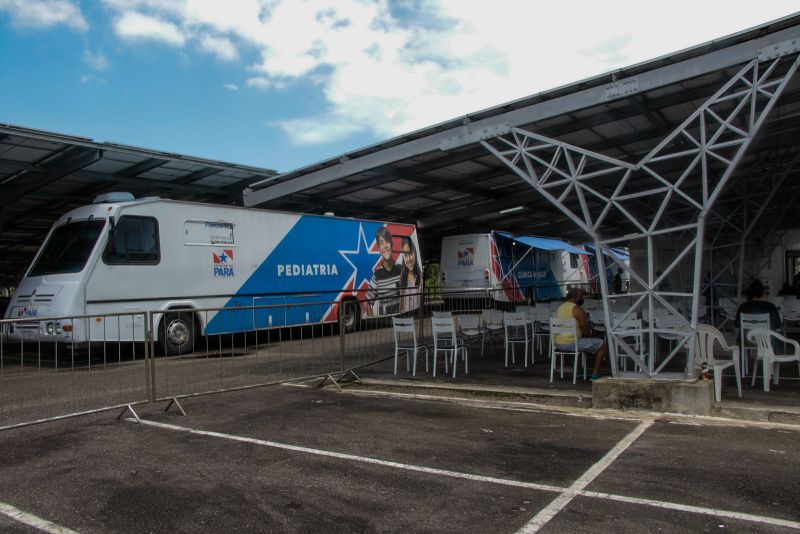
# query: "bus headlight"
[[53, 328]]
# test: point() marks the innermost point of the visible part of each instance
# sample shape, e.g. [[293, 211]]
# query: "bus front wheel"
[[177, 333], [351, 315]]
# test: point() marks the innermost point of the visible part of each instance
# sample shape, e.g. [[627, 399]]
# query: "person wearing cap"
[[571, 308]]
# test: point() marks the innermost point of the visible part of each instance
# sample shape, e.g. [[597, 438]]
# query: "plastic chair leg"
[[717, 385]]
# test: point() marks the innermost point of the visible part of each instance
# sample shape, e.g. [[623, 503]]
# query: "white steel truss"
[[685, 173]]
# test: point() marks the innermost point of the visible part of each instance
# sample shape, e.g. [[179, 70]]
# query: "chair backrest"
[[542, 314], [492, 317], [514, 319], [524, 309], [564, 327], [751, 321], [628, 323], [707, 335], [441, 314], [791, 308], [469, 321], [444, 330], [404, 329]]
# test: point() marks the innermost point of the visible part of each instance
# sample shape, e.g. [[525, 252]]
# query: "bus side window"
[[133, 240]]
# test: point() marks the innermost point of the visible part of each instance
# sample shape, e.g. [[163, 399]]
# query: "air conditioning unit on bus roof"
[[117, 196]]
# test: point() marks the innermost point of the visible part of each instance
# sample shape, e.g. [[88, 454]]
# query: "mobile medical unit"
[[509, 268], [126, 255]]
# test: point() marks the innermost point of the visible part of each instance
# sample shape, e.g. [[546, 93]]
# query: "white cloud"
[[264, 83], [221, 47], [96, 60], [91, 78], [319, 130], [231, 87], [390, 67], [133, 25], [45, 13]]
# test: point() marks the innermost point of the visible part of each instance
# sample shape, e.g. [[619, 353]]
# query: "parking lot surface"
[[300, 459]]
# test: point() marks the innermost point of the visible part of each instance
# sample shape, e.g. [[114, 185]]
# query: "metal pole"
[[149, 353], [698, 270], [342, 312]]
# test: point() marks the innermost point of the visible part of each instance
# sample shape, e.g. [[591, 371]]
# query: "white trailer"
[[122, 255], [515, 268]]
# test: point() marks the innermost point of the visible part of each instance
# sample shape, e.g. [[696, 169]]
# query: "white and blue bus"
[[122, 255]]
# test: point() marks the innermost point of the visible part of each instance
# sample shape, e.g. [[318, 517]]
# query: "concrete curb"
[[731, 413]]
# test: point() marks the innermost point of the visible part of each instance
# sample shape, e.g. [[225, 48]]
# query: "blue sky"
[[285, 83]]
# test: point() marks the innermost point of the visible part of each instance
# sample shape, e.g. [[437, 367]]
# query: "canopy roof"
[[544, 243], [45, 174], [443, 180]]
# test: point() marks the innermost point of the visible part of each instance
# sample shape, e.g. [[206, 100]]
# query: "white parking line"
[[32, 521], [549, 512], [575, 490]]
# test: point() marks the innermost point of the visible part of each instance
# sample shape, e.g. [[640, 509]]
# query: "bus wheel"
[[177, 333], [350, 319]]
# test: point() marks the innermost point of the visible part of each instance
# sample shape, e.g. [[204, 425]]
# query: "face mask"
[[579, 302]]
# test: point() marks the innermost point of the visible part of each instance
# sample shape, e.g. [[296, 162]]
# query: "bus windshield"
[[68, 248]]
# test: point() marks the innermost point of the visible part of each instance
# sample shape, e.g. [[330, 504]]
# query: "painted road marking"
[[32, 521], [572, 490], [559, 503]]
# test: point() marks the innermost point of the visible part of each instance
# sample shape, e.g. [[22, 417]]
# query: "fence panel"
[[46, 373]]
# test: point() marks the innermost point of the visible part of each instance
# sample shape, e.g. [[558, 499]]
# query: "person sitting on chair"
[[756, 304], [572, 309]]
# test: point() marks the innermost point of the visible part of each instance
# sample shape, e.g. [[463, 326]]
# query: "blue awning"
[[544, 243], [620, 252]]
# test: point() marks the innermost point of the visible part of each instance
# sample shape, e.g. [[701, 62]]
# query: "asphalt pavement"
[[302, 459]]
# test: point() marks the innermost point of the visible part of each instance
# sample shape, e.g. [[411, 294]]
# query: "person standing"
[[572, 309], [618, 281]]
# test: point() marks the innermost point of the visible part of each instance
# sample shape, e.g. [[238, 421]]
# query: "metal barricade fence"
[[48, 370], [46, 374], [274, 348]]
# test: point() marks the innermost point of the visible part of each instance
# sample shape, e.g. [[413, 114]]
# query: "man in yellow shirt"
[[572, 309]]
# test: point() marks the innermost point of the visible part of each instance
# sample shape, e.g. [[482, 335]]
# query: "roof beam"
[[68, 163]]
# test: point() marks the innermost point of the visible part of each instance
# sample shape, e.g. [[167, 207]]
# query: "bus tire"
[[350, 317], [177, 333]]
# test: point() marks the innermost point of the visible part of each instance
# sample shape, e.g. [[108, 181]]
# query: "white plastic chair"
[[471, 330], [791, 314], [405, 340], [670, 322], [747, 322], [565, 327], [440, 314], [445, 340], [540, 315], [629, 328], [516, 332], [707, 336], [492, 324], [771, 361]]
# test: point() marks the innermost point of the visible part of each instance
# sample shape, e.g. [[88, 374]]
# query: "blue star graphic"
[[362, 261], [223, 258]]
